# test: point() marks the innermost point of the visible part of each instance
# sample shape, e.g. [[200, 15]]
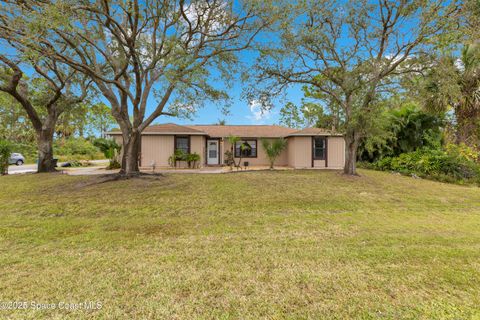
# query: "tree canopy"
[[351, 54], [134, 51]]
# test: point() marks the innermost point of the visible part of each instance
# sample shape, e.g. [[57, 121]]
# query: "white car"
[[16, 158]]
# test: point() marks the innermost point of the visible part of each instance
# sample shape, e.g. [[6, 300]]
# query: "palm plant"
[[454, 83], [110, 149], [273, 148], [231, 155]]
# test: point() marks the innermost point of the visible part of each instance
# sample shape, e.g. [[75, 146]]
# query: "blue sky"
[[240, 111]]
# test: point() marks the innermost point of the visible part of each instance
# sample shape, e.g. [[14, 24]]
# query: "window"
[[182, 143], [249, 149], [212, 149], [319, 145]]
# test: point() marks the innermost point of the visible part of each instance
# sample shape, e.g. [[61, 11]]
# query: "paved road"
[[33, 167]]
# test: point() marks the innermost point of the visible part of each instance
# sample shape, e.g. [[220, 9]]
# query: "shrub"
[[80, 147], [178, 155], [5, 152], [433, 164], [114, 164], [463, 151], [404, 130], [110, 149], [229, 159], [192, 159]]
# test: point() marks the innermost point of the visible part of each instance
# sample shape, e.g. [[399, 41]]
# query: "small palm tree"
[[454, 83], [273, 149], [243, 146]]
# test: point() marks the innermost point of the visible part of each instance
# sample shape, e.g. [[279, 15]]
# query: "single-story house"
[[307, 148]]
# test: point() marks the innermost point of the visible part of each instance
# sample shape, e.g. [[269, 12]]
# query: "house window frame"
[[236, 155], [325, 144], [182, 136]]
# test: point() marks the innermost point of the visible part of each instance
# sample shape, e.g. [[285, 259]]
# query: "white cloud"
[[258, 115]]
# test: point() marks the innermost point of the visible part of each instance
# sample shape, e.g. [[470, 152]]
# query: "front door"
[[212, 152]]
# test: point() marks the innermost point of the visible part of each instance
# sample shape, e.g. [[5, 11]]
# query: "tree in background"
[[85, 120], [351, 54], [5, 152], [273, 149], [73, 122], [308, 114], [99, 119], [131, 50], [49, 92], [404, 129], [453, 83], [14, 123], [471, 20]]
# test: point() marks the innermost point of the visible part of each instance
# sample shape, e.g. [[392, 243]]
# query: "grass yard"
[[262, 245]]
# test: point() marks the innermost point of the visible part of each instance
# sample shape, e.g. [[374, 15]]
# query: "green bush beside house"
[[432, 164]]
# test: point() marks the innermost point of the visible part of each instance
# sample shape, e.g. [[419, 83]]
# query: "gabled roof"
[[244, 131], [314, 132]]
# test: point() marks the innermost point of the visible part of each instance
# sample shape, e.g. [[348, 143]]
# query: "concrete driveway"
[[26, 168], [22, 169]]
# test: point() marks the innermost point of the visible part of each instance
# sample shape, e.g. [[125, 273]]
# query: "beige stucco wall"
[[297, 155], [300, 152], [319, 163], [197, 144], [261, 159], [336, 152], [158, 149]]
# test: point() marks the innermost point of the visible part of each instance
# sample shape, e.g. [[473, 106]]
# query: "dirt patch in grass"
[[105, 178]]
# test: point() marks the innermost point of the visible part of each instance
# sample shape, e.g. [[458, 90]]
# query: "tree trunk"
[[467, 130], [131, 154], [45, 150], [351, 146]]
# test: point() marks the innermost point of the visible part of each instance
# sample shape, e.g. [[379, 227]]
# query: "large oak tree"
[[50, 90], [169, 54], [350, 53]]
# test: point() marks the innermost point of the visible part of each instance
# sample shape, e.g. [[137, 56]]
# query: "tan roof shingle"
[[245, 131], [314, 132], [166, 128]]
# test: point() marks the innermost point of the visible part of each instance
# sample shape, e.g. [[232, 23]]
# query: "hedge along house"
[[307, 148]]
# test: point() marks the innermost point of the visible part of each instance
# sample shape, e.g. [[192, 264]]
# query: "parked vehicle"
[[16, 158]]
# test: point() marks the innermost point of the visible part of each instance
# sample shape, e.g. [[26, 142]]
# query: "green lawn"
[[264, 245]]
